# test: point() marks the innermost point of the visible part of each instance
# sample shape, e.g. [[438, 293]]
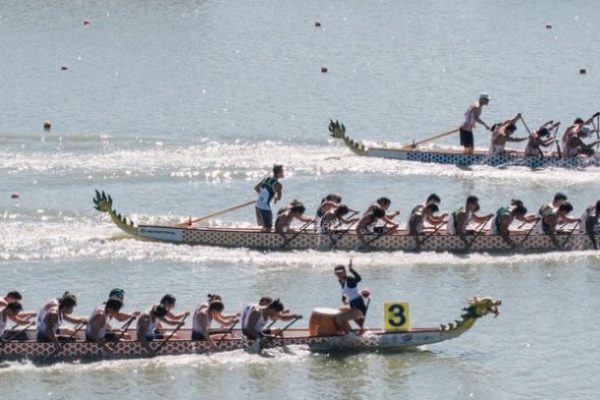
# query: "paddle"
[[429, 139], [125, 326], [60, 347], [164, 342], [478, 232], [214, 214], [302, 229], [339, 235], [378, 236], [263, 342], [569, 235], [528, 233], [3, 341], [438, 227], [228, 332]]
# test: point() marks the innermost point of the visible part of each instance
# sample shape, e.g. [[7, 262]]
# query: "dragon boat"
[[321, 336], [346, 240], [457, 157]]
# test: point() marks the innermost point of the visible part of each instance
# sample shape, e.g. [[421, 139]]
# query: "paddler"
[[573, 146], [10, 311], [552, 208], [328, 202], [14, 295], [168, 301], [590, 222], [355, 308], [502, 133], [431, 219], [99, 328], [255, 317], [208, 311], [472, 116], [368, 224], [52, 315], [416, 222], [459, 220], [550, 220], [334, 217], [293, 211], [505, 216], [149, 321], [268, 189], [384, 204], [540, 138]]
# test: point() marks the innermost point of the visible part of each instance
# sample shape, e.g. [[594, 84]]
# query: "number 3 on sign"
[[396, 316]]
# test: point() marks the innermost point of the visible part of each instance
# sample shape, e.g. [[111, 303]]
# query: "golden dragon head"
[[481, 306]]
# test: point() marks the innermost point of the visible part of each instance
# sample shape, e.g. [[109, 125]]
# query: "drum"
[[322, 322]]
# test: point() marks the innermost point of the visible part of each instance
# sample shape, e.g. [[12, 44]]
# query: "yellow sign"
[[396, 317]]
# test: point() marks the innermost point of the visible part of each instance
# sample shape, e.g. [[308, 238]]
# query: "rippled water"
[[177, 108]]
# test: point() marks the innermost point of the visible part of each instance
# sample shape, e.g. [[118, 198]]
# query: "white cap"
[[484, 95]]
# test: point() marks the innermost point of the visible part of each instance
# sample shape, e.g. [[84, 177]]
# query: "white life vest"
[[349, 293], [452, 221], [41, 323]]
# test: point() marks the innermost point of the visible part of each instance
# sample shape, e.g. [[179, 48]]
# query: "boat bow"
[[478, 307]]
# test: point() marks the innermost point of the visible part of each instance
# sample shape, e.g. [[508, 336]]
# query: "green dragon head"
[[338, 131], [103, 203]]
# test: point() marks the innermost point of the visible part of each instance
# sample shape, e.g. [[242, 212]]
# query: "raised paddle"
[[429, 139], [164, 342], [228, 332], [214, 214]]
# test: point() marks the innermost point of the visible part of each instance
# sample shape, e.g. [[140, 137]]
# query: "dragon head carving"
[[336, 130], [103, 203], [481, 306]]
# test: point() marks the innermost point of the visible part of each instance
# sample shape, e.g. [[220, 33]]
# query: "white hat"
[[484, 95]]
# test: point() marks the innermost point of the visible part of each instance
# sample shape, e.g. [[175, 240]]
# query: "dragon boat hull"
[[347, 241], [482, 242], [372, 340], [456, 157]]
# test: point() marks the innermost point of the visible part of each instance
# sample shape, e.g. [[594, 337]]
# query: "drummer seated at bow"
[[540, 138], [294, 211], [148, 324], [368, 224], [14, 295], [416, 222], [504, 218], [551, 219], [460, 220], [208, 311], [336, 217], [255, 318], [10, 311], [573, 144], [52, 315], [354, 308], [502, 133], [99, 329]]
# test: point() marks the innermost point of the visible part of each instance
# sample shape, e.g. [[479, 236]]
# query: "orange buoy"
[[14, 195], [324, 70], [318, 24], [47, 125], [582, 71]]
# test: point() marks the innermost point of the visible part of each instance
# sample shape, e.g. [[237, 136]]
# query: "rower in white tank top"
[[102, 332]]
